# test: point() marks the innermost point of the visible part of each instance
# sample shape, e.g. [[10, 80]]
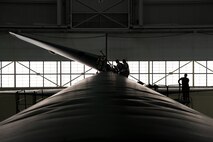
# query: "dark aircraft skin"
[[106, 108]]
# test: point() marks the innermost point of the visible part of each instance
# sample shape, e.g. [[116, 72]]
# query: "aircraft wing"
[[67, 52]]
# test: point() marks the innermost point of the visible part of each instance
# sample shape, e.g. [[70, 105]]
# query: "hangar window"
[[66, 73]]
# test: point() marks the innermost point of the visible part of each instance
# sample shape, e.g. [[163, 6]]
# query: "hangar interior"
[[160, 39]]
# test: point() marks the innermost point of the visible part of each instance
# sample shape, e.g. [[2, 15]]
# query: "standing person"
[[185, 87], [125, 70]]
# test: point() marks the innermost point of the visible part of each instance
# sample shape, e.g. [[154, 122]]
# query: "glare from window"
[[36, 81], [185, 66], [144, 67], [134, 67], [209, 66], [36, 67], [66, 73], [159, 67], [172, 67], [209, 80], [200, 79], [200, 67]]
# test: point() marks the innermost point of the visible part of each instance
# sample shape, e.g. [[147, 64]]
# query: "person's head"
[[185, 75], [117, 61], [124, 61]]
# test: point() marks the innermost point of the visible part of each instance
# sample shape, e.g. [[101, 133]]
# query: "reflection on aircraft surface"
[[105, 107]]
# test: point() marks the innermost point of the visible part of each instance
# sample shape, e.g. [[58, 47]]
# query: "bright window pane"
[[172, 67], [209, 80], [50, 81], [172, 79], [200, 79], [65, 67], [158, 67], [37, 67], [8, 68], [36, 81], [22, 67], [66, 80], [144, 67], [159, 79], [200, 67], [144, 78], [155, 74], [7, 80], [77, 67], [133, 66], [22, 80], [150, 67], [50, 67], [210, 67], [185, 67]]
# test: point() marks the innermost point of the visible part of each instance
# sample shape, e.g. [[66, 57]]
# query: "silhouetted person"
[[185, 88], [102, 63], [125, 69], [119, 66]]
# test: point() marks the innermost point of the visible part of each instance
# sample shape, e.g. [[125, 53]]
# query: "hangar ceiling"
[[183, 25], [105, 15]]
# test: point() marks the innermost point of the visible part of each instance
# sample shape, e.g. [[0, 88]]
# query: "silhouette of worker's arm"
[[179, 80]]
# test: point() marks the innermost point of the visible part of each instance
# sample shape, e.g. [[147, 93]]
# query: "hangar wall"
[[133, 47], [138, 29]]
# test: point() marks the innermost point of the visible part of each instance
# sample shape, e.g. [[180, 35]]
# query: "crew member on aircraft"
[[119, 67], [125, 69]]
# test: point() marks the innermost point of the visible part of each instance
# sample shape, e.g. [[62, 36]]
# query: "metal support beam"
[[59, 12], [140, 13], [106, 46]]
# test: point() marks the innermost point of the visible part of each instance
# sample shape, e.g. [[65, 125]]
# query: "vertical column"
[[149, 72], [59, 12], [193, 73], [29, 73], [84, 67], [25, 100], [57, 73], [206, 74], [70, 73], [43, 74], [129, 12], [60, 73], [17, 102], [67, 12], [14, 74], [166, 73], [139, 71], [34, 98], [140, 12], [0, 74], [152, 73], [106, 46], [71, 13]]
